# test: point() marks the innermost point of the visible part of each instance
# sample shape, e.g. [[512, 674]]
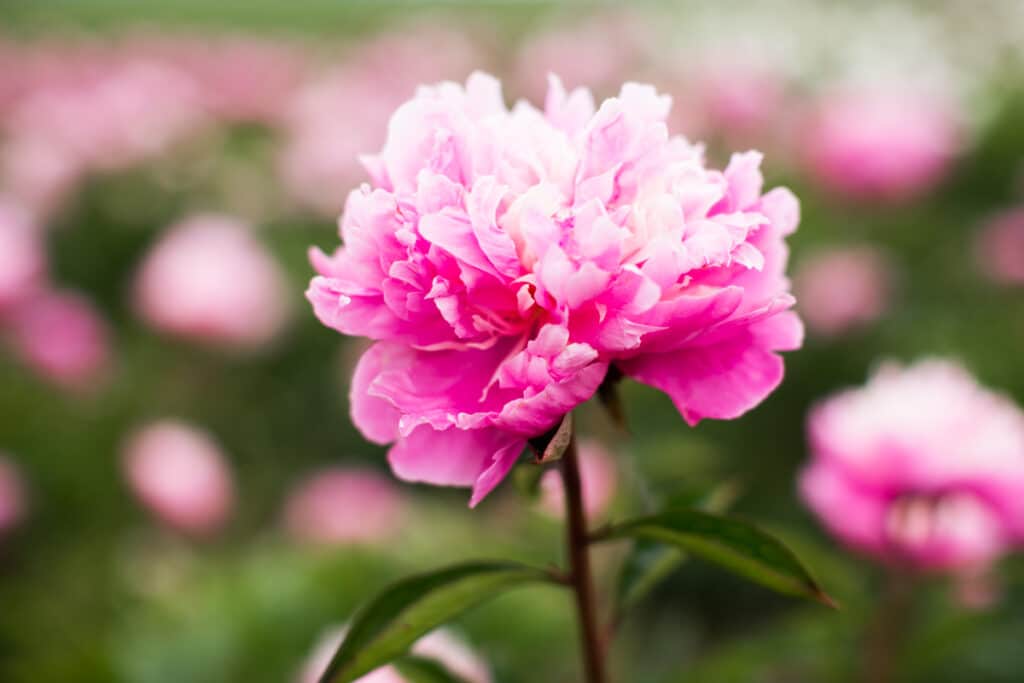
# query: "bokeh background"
[[233, 128]]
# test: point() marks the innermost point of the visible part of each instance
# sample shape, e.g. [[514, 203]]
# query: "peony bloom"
[[181, 475], [843, 288], [209, 279], [440, 646], [12, 496], [999, 246], [922, 467], [22, 257], [62, 336], [597, 476], [503, 260], [340, 505], [880, 144]]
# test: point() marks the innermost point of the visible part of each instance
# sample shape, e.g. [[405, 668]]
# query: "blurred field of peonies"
[[184, 497]]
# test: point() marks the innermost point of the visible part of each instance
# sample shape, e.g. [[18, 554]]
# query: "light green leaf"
[[386, 627], [729, 542]]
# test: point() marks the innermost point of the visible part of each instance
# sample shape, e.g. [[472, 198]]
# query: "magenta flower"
[[181, 475], [881, 144], [339, 505], [843, 288], [999, 247], [62, 337], [503, 260], [210, 279], [922, 467], [12, 496]]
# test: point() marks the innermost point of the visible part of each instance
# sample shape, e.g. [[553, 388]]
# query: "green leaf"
[[734, 544], [647, 564], [387, 626], [650, 563], [422, 670], [551, 446]]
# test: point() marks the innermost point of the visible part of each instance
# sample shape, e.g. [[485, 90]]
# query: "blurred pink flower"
[[342, 505], [736, 99], [179, 473], [22, 256], [62, 336], [209, 279], [842, 288], [922, 467], [598, 476], [999, 246], [599, 52], [440, 646], [881, 144], [237, 78], [12, 496], [326, 133], [506, 258], [104, 118]]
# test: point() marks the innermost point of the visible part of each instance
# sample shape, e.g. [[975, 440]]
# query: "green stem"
[[581, 579]]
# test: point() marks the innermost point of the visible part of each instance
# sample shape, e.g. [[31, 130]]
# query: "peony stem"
[[581, 580], [888, 631]]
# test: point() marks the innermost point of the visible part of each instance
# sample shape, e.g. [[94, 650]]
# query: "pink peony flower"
[[597, 475], [22, 257], [504, 259], [62, 336], [843, 288], [999, 246], [881, 144], [440, 646], [339, 505], [12, 496], [922, 467], [209, 279], [180, 474]]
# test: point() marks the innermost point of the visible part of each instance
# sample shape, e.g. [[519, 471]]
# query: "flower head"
[[503, 259], [211, 280], [340, 505], [881, 144], [843, 288], [921, 467], [999, 247], [180, 474]]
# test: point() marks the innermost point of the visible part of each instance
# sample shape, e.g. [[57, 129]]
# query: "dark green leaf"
[[734, 544], [649, 562], [552, 445], [422, 670], [386, 627]]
